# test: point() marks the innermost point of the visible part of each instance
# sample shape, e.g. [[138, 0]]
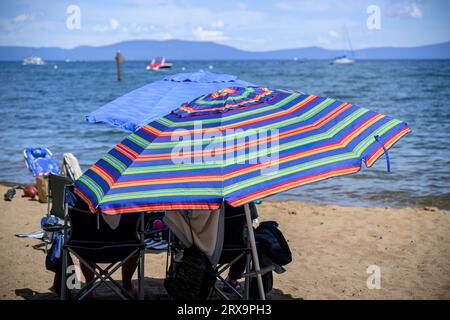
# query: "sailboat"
[[344, 59]]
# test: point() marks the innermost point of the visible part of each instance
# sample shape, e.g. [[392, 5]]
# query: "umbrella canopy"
[[137, 108], [237, 145]]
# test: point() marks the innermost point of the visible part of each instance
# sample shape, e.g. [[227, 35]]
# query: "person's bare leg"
[[87, 273], [56, 287], [88, 277], [57, 283], [128, 269]]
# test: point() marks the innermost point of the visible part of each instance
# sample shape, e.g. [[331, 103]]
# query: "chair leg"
[[247, 279], [141, 275], [255, 258], [141, 260], [103, 275], [64, 275], [168, 253]]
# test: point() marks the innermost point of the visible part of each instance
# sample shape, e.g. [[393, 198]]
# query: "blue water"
[[43, 106]]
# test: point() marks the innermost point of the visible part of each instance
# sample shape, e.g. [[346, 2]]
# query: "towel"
[[71, 167], [205, 226]]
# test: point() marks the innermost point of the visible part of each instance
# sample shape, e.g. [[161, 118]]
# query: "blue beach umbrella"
[[141, 106]]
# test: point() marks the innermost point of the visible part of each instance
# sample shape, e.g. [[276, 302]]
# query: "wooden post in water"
[[119, 61]]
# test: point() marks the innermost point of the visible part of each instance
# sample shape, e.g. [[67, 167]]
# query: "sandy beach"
[[332, 248]]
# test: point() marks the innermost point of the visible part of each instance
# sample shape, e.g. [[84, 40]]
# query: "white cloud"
[[333, 34], [244, 6], [21, 18], [100, 28], [218, 24], [414, 11], [209, 35], [322, 40], [114, 23], [284, 6], [136, 28], [312, 6], [409, 9]]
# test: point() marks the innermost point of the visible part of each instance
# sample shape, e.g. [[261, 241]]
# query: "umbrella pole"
[[247, 270], [255, 258], [141, 258]]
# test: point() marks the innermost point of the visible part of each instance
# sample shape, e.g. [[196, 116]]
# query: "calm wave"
[[44, 106]]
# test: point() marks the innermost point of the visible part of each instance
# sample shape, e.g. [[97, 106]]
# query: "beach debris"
[[9, 195], [30, 191], [432, 209], [292, 212]]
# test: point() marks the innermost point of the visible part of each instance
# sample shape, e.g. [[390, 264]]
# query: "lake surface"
[[44, 106]]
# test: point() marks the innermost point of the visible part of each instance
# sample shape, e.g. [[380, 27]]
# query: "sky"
[[254, 25]]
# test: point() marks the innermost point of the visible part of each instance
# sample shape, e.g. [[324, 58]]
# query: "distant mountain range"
[[193, 50]]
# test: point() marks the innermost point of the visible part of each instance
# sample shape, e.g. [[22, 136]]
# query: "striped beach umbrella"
[[236, 145]]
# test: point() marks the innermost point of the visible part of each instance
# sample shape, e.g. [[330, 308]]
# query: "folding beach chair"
[[156, 233], [236, 254], [56, 195], [85, 237]]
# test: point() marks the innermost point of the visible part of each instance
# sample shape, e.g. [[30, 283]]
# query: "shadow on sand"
[[154, 290]]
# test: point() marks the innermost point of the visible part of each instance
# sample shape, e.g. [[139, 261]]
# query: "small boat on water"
[[159, 63], [33, 60], [344, 59]]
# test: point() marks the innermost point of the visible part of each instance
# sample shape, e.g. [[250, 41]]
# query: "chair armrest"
[[53, 228]]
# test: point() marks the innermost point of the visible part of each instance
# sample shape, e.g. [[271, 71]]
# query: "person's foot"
[[233, 283]]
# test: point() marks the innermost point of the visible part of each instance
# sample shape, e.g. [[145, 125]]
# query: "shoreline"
[[332, 248], [279, 198]]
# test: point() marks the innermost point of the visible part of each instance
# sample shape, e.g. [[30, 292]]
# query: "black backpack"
[[272, 243], [192, 278], [267, 278]]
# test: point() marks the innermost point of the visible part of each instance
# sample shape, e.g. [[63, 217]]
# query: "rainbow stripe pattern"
[[237, 145]]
